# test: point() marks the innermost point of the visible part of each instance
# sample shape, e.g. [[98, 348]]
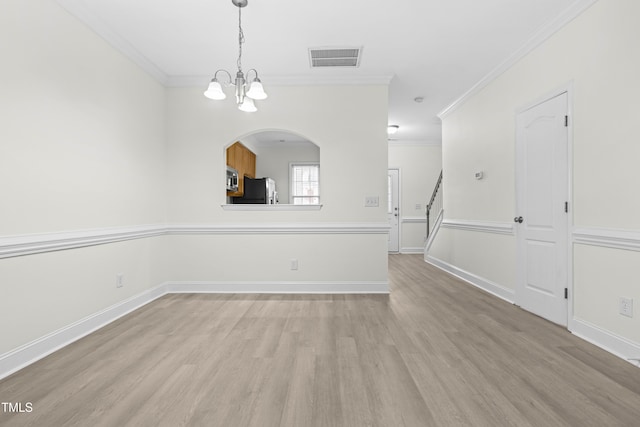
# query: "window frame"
[[291, 183]]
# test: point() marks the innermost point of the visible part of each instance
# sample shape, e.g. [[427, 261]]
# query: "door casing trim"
[[567, 88]]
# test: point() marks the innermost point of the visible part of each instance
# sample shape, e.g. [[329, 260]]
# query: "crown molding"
[[290, 80], [415, 143], [78, 9], [539, 37]]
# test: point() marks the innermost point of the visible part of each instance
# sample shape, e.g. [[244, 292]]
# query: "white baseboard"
[[32, 352], [606, 340], [265, 287], [477, 281], [409, 250]]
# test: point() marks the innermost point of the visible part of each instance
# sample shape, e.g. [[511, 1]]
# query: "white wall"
[[598, 53], [81, 147], [353, 158], [420, 163]]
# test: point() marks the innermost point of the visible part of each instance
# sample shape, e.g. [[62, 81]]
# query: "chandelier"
[[246, 90]]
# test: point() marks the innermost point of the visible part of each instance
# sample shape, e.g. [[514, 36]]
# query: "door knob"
[[518, 219]]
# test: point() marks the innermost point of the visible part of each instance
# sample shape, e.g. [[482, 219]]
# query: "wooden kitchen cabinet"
[[243, 160]]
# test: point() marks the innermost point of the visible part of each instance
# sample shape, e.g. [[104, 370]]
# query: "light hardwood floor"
[[436, 352]]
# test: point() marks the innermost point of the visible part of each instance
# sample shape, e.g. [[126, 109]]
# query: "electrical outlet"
[[294, 264], [626, 306], [371, 201], [119, 280]]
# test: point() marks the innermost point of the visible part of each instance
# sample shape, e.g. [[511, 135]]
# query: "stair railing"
[[435, 206]]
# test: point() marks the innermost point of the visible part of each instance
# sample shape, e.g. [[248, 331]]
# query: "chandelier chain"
[[240, 39]]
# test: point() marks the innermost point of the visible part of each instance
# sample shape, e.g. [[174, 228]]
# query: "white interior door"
[[393, 210], [542, 204]]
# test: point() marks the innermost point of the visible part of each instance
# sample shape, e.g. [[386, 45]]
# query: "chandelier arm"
[[255, 72], [215, 76]]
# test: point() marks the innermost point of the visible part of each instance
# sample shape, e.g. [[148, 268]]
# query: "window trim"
[[302, 163]]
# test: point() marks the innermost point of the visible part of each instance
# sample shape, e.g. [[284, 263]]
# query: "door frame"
[[568, 89], [399, 208]]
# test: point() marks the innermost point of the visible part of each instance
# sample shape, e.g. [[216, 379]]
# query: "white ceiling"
[[436, 49]]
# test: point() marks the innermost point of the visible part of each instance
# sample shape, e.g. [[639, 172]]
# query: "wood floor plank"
[[435, 352]]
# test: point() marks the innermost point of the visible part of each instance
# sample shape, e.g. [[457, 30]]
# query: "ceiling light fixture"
[[391, 129], [244, 96]]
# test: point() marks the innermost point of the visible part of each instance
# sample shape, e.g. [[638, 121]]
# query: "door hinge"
[[566, 293], [566, 121], [566, 207]]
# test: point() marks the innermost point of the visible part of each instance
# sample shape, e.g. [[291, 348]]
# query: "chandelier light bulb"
[[214, 91], [247, 105], [256, 91]]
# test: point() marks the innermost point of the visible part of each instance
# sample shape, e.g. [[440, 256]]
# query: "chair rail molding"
[[413, 219], [281, 228], [480, 226], [30, 244], [607, 237]]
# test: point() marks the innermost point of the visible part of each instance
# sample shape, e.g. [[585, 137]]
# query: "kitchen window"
[[305, 184]]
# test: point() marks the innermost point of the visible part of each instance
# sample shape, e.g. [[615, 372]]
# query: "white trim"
[[11, 246], [414, 220], [78, 9], [565, 88], [19, 245], [281, 228], [479, 226], [477, 281], [608, 238], [412, 250], [278, 287], [608, 341], [278, 207], [31, 352], [292, 190], [543, 34], [290, 80], [414, 143]]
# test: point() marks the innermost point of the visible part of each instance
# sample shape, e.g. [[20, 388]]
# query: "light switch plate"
[[371, 201]]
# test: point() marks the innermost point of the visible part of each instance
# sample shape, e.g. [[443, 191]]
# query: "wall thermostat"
[[479, 175]]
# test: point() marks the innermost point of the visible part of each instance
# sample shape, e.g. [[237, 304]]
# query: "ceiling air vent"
[[335, 57]]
